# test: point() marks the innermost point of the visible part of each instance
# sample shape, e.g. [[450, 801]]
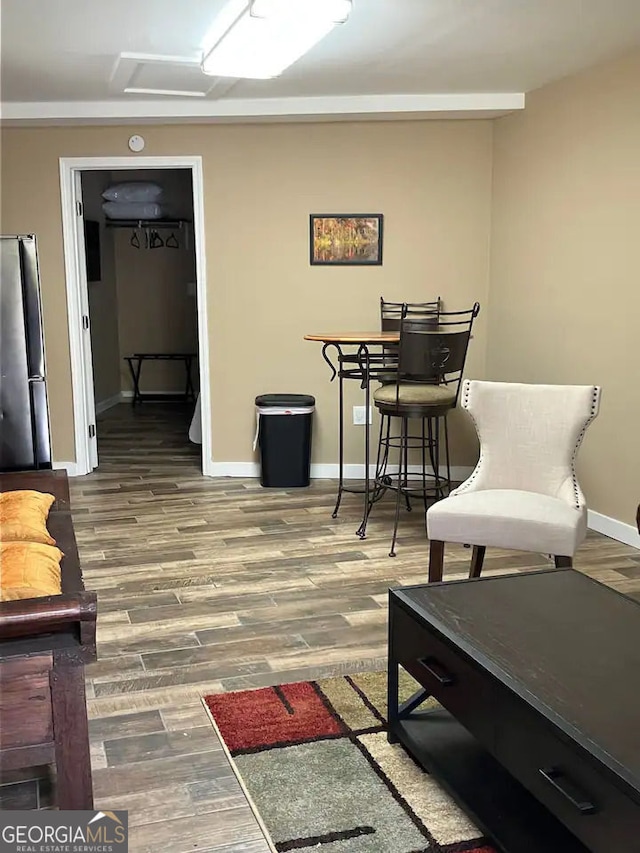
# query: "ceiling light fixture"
[[260, 39]]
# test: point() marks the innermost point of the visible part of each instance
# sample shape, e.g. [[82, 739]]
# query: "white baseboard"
[[614, 529], [127, 395], [70, 467], [319, 470], [331, 470], [109, 403], [233, 469]]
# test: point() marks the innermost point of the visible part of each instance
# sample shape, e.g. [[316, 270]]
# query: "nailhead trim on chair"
[[594, 411], [466, 392]]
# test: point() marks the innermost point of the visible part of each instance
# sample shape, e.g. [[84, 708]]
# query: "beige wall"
[[565, 293], [103, 298], [431, 180], [156, 289]]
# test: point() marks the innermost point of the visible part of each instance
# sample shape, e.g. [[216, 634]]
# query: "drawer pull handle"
[[438, 672], [568, 790]]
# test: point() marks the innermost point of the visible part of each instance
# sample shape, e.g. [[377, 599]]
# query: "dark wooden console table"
[[538, 736], [135, 363]]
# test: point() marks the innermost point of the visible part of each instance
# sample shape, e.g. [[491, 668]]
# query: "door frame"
[[77, 293]]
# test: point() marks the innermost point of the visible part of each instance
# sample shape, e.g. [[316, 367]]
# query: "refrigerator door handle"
[[24, 412]]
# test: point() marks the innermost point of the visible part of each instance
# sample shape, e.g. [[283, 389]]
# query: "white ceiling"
[[63, 59]]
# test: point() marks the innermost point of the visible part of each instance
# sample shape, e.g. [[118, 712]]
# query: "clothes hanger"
[[156, 241], [135, 242], [171, 242]]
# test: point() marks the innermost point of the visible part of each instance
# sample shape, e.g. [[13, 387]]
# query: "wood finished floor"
[[216, 585]]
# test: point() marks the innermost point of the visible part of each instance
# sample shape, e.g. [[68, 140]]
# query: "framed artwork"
[[345, 239]]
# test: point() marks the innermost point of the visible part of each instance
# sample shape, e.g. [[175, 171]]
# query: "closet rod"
[[146, 223]]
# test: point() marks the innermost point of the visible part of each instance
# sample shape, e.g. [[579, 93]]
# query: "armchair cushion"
[[509, 518]]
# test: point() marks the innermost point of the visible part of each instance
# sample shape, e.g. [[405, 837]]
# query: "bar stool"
[[431, 359]]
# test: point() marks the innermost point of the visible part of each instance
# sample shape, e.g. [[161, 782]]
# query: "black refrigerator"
[[24, 414]]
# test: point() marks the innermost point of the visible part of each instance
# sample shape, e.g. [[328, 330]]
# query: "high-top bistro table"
[[361, 364]]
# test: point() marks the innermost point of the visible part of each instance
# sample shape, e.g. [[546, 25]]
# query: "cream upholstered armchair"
[[523, 493]]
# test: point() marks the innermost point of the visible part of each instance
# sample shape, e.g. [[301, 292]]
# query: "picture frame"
[[345, 239]]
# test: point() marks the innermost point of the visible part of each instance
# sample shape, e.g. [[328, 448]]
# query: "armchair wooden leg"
[[563, 562], [436, 560], [477, 558]]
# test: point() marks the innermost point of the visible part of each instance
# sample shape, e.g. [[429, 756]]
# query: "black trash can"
[[284, 437]]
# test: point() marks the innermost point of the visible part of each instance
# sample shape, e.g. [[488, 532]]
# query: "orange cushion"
[[29, 570], [23, 516]]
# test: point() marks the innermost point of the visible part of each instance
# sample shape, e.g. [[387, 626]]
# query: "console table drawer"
[[447, 676], [570, 785]]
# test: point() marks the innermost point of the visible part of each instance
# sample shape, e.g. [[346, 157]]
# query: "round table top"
[[355, 337]]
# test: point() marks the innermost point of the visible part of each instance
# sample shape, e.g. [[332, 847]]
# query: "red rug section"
[[270, 716]]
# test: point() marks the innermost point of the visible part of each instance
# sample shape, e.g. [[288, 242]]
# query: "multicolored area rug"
[[315, 762]]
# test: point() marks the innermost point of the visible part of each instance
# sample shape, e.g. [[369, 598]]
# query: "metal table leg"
[[135, 376], [334, 514], [363, 353], [360, 369], [339, 374]]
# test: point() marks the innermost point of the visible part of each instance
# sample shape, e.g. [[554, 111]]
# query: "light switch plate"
[[359, 417]]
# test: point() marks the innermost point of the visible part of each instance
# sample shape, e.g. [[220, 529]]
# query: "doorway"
[[171, 251]]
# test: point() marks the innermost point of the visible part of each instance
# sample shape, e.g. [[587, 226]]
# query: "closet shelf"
[[146, 223]]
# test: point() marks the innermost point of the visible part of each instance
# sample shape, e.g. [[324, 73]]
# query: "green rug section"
[[316, 790]]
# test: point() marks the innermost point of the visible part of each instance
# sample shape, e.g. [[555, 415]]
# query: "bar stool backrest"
[[391, 312], [391, 319], [428, 355]]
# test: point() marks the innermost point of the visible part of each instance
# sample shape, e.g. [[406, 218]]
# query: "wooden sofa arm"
[[31, 617]]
